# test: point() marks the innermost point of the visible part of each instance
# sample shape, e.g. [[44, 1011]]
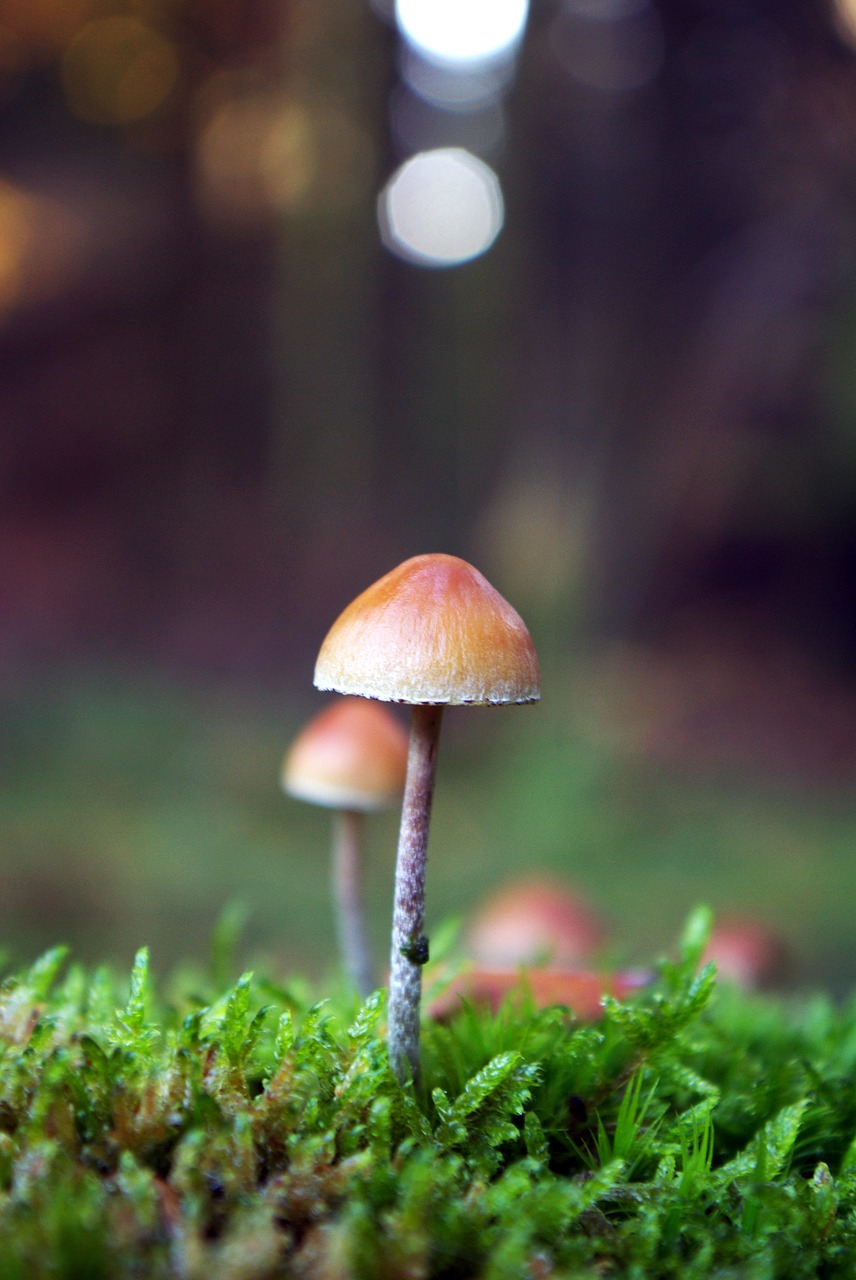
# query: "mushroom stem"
[[347, 895], [409, 945]]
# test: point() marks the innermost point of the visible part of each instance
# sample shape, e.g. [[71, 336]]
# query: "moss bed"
[[255, 1130]]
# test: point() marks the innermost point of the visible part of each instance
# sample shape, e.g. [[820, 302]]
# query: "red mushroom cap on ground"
[[353, 755], [432, 631], [580, 990], [747, 952], [531, 920]]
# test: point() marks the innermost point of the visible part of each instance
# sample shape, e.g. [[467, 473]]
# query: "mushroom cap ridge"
[[432, 631]]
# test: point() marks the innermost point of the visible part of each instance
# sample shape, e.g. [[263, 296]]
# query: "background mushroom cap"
[[353, 755], [431, 631], [747, 952], [534, 919]]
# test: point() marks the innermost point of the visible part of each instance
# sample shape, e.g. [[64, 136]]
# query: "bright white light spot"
[[441, 208], [462, 30]]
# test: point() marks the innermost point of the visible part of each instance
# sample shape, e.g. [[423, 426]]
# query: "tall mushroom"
[[352, 758], [432, 633]]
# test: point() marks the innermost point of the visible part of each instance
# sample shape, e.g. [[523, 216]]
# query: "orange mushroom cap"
[[432, 631], [353, 755]]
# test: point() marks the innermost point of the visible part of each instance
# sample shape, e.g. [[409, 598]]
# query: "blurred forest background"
[[226, 406]]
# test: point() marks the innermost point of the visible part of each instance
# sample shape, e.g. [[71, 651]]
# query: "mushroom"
[[534, 920], [747, 952], [432, 633], [530, 938], [579, 990], [351, 758]]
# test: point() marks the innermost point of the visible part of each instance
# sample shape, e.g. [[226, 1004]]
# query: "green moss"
[[247, 1132]]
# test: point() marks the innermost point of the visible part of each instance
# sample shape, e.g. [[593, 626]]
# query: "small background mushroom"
[[535, 938], [534, 920], [352, 758], [747, 952]]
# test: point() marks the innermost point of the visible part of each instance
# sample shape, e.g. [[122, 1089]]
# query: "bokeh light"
[[41, 247], [844, 15], [118, 70], [16, 216], [462, 30], [441, 208], [44, 24], [616, 46], [261, 152], [464, 86], [238, 132]]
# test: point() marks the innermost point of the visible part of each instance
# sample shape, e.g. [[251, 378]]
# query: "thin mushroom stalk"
[[348, 900], [409, 944]]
